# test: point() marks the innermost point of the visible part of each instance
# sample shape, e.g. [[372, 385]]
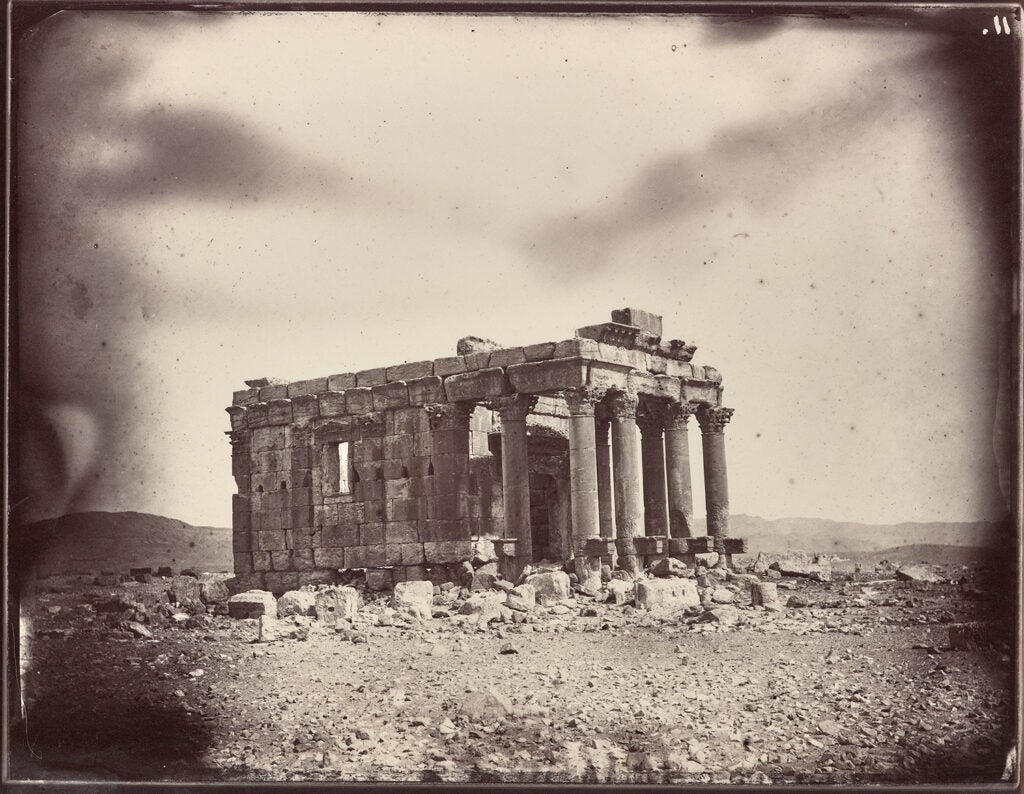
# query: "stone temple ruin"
[[402, 471]]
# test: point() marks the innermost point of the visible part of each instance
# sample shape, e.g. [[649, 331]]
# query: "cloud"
[[755, 165]]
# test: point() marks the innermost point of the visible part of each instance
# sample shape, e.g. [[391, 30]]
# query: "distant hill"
[[926, 553], [840, 537], [100, 541]]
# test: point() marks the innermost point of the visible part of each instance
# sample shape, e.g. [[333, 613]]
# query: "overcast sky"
[[204, 199]]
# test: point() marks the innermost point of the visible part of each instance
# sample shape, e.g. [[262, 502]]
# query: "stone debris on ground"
[[829, 680]]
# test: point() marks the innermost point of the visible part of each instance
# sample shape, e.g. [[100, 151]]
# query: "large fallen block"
[[666, 594], [252, 604]]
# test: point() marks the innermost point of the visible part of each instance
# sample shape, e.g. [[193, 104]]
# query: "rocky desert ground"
[[785, 670]]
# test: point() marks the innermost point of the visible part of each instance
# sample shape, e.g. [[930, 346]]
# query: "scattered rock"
[[723, 595], [918, 573], [508, 648], [486, 706], [214, 588], [709, 559], [669, 566], [184, 589], [138, 630], [724, 615], [521, 598], [622, 592]]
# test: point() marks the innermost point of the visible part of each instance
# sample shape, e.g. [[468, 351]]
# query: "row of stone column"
[[652, 493]]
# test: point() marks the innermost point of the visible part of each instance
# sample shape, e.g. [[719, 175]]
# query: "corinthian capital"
[[622, 405], [678, 414], [514, 407], [713, 420], [652, 417], [582, 400]]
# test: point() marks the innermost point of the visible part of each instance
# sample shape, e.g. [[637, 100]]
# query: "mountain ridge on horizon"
[[100, 539]]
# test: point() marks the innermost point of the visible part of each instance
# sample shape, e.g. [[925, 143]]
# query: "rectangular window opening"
[[344, 467]]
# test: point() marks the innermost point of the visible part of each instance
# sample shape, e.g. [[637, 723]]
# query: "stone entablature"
[[438, 453]]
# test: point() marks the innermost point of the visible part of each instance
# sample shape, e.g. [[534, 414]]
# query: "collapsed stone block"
[[522, 598], [666, 594], [765, 594], [252, 604], [414, 598], [296, 602], [550, 584], [333, 603]]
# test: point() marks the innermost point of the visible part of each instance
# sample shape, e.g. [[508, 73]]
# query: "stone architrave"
[[716, 485], [629, 500], [651, 419], [586, 520], [677, 470], [515, 473]]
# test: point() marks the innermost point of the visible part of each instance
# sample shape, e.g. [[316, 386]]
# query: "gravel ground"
[[859, 687]]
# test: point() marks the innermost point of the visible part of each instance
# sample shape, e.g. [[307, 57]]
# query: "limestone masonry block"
[[678, 369], [449, 366], [417, 369], [266, 439], [357, 401], [371, 377], [425, 390], [397, 489], [644, 320], [338, 535], [336, 603], [281, 560], [346, 380], [475, 361], [448, 551], [558, 373], [305, 407], [268, 393], [256, 415], [390, 395], [245, 397], [571, 348], [329, 558], [503, 358], [371, 533], [539, 352], [481, 385], [242, 563], [331, 403], [236, 415], [252, 604], [412, 553], [279, 412], [306, 387], [397, 532], [398, 447], [666, 594]]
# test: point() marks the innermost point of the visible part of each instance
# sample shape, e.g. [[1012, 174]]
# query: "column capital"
[[652, 417], [449, 414], [678, 414], [582, 400], [712, 419], [622, 404], [514, 407]]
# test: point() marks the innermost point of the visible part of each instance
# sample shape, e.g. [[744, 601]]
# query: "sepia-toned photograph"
[[497, 394]]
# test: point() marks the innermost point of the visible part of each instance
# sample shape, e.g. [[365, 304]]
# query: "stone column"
[[651, 420], [629, 500], [677, 465], [716, 486], [515, 474], [604, 471], [583, 488]]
